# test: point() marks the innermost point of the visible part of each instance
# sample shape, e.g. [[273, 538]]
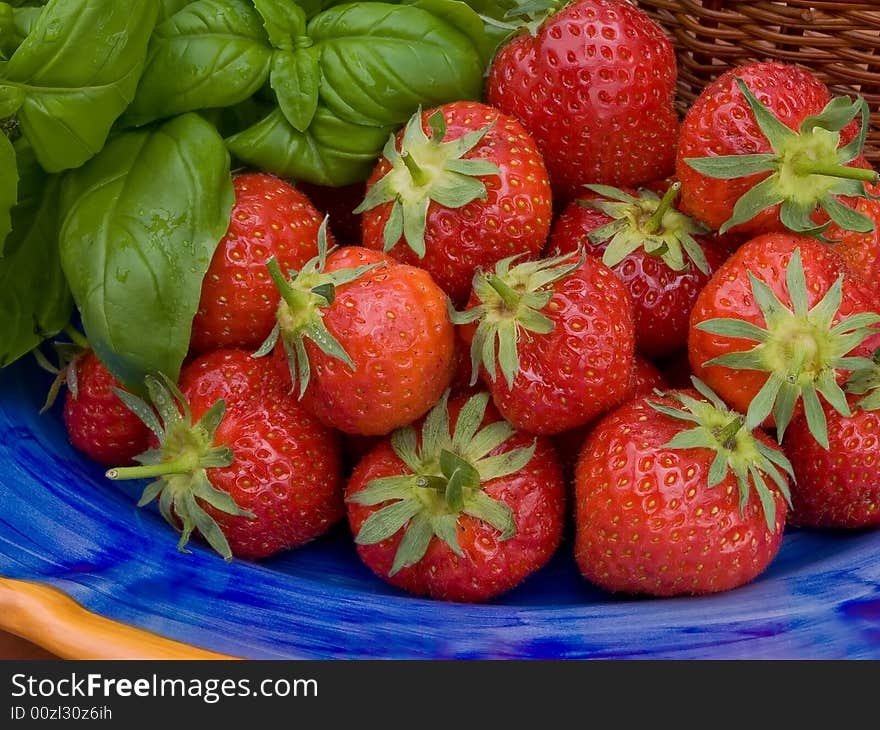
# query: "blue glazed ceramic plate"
[[64, 525]]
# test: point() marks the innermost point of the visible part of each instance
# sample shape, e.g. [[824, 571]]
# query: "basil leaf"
[[35, 301], [463, 17], [295, 79], [213, 53], [330, 152], [380, 62], [143, 219], [283, 20], [78, 70], [167, 8], [8, 187]]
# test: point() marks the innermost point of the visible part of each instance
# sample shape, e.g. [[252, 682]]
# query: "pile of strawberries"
[[562, 303]]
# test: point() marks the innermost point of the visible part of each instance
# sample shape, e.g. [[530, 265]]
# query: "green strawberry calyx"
[[646, 222], [511, 299], [866, 382], [800, 349], [726, 432], [526, 15], [179, 465], [808, 168], [304, 297], [67, 370], [427, 169], [446, 473]]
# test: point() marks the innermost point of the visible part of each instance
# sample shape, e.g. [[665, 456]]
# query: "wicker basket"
[[839, 41]]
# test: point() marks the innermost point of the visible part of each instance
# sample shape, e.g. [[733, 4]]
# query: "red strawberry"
[[97, 421], [238, 459], [839, 487], [778, 325], [367, 340], [672, 498], [861, 251], [645, 379], [595, 87], [662, 256], [764, 148], [461, 513], [563, 332], [270, 218], [461, 187]]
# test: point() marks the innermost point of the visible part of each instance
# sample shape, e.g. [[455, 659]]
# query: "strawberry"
[[237, 459], [645, 379], [595, 87], [98, 423], [779, 324], [676, 496], [553, 340], [367, 340], [463, 511], [839, 487], [861, 251], [270, 218], [662, 256], [459, 188], [764, 148]]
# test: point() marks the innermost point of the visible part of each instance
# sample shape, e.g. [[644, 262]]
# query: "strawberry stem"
[[811, 167], [76, 337], [296, 300], [183, 465], [653, 224], [727, 435], [508, 295], [419, 176]]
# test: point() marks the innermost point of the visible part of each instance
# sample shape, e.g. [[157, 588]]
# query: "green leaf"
[[737, 328], [846, 217], [510, 462], [205, 524], [446, 528], [816, 421], [414, 543], [73, 97], [469, 419], [295, 78], [764, 195], [762, 404], [488, 438], [8, 187], [332, 152], [35, 301], [385, 522], [213, 53], [384, 489], [460, 476], [380, 62], [729, 167], [144, 218], [463, 17], [480, 505], [750, 360], [774, 130], [435, 429], [142, 410], [839, 112], [283, 20]]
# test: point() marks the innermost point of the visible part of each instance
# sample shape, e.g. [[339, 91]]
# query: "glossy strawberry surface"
[[238, 300], [728, 294], [514, 218], [287, 467], [97, 421], [838, 487], [646, 520], [393, 323], [488, 566], [662, 297], [582, 367], [595, 88]]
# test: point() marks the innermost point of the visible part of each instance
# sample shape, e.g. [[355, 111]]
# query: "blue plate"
[[62, 523]]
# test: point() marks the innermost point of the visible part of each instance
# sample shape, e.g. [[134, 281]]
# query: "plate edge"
[[54, 621]]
